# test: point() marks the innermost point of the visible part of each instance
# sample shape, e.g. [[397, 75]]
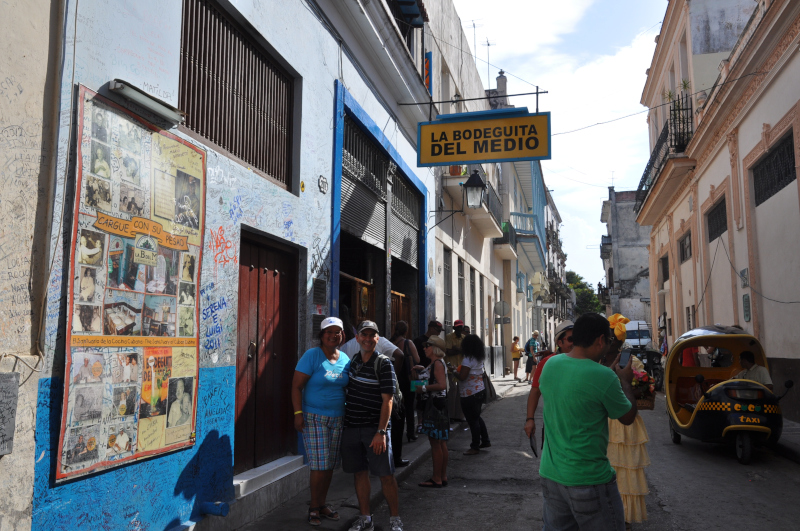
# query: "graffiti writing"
[[222, 248]]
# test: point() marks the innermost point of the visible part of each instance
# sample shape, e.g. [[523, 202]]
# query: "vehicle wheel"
[[676, 437], [658, 378], [744, 448]]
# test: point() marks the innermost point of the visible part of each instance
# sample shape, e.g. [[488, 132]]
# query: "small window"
[[688, 318], [610, 277], [665, 268], [669, 327], [775, 171], [717, 221], [685, 247]]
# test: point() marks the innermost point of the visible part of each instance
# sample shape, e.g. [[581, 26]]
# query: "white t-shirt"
[[385, 347], [122, 442], [474, 382]]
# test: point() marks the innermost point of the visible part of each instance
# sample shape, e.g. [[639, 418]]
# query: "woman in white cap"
[[318, 393]]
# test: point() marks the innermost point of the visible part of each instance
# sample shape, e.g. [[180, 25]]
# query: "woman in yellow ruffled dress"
[[626, 444]]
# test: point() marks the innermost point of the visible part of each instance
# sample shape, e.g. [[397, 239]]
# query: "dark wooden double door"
[[266, 354]]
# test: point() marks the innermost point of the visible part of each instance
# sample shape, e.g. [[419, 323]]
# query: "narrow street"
[[692, 486]]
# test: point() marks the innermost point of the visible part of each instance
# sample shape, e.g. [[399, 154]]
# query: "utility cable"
[[749, 284]]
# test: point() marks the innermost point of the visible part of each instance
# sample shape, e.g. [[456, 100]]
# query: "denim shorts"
[[588, 507], [357, 455]]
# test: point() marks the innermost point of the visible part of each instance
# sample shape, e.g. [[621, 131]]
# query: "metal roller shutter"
[[404, 228], [364, 184]]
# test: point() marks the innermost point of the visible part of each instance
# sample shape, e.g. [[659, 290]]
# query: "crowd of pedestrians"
[[346, 396]]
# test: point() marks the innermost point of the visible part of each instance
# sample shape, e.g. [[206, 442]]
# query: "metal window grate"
[[362, 161], [320, 291], [447, 259], [405, 202], [775, 171], [461, 305], [717, 221], [233, 93]]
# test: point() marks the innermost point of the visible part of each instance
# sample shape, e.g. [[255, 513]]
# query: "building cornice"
[[669, 26]]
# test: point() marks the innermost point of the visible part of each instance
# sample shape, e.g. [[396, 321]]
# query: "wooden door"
[[266, 354], [401, 311]]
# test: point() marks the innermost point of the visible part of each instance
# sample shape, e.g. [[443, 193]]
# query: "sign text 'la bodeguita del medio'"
[[462, 139]]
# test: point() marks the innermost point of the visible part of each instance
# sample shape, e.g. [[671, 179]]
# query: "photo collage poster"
[[132, 328]]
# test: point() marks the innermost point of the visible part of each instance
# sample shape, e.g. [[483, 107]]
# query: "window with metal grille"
[[472, 309], [461, 303], [362, 160], [775, 171], [717, 221], [480, 324], [447, 259], [685, 247], [688, 318], [234, 94]]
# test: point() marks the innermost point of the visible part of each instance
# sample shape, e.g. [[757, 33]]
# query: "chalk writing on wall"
[[132, 324], [9, 393]]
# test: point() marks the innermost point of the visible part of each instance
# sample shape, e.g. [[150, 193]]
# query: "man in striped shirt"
[[366, 444]]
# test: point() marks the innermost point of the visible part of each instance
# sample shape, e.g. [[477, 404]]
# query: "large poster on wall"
[[132, 337]]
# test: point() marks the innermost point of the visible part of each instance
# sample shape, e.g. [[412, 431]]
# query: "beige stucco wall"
[[29, 56]]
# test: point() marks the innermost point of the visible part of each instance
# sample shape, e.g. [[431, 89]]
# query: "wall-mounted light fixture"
[[145, 100], [474, 189]]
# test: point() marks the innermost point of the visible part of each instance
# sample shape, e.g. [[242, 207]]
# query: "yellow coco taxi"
[[705, 402]]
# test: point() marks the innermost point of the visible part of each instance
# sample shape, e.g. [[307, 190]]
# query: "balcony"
[[530, 238], [505, 248], [668, 163], [605, 247], [487, 217]]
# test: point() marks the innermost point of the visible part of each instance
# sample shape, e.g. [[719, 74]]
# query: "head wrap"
[[617, 323]]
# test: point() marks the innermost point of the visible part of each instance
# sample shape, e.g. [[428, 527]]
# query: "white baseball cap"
[[331, 321]]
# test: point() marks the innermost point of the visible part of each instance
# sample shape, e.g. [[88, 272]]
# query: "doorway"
[[266, 353]]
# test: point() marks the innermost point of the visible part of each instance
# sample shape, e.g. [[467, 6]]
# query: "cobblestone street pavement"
[[692, 486]]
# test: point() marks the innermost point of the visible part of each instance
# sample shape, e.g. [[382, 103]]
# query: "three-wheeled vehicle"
[[706, 403]]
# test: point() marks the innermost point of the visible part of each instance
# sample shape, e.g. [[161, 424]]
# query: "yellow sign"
[[492, 139]]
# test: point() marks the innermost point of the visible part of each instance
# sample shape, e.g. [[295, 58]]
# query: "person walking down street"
[[531, 351], [410, 358], [435, 423], [473, 391], [579, 486], [516, 353], [563, 336], [366, 441], [318, 395], [453, 357], [627, 450]]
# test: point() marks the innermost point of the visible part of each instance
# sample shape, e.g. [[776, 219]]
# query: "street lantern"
[[475, 188], [539, 301]]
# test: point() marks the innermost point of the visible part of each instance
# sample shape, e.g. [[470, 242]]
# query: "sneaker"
[[395, 523], [361, 524]]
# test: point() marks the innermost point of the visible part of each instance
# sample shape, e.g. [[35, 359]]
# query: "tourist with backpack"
[[366, 440]]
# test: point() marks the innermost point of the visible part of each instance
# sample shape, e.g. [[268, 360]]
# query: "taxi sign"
[[493, 136]]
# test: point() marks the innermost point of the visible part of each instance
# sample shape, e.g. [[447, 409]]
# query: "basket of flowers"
[[644, 389]]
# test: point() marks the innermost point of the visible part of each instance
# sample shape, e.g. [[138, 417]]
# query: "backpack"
[[397, 399]]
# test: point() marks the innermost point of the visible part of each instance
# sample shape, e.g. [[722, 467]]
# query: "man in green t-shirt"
[[579, 485]]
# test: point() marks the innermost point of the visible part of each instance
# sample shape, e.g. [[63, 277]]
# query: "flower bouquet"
[[645, 390]]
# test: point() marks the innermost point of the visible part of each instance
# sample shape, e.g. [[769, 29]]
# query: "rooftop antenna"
[[488, 64], [612, 178], [474, 39]]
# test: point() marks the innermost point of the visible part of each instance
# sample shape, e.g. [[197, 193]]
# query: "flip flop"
[[313, 516], [332, 514], [430, 484]]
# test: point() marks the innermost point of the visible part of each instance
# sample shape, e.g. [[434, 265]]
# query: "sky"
[[591, 57]]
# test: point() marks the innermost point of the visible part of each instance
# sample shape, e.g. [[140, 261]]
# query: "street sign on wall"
[[502, 135]]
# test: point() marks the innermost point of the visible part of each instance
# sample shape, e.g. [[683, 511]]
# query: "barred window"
[[685, 246], [775, 171], [233, 92], [717, 221]]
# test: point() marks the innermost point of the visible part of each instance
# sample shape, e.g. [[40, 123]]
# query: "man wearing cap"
[[454, 357], [434, 329], [563, 345], [384, 346], [366, 442]]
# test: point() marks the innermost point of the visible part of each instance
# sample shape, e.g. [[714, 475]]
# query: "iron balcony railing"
[[493, 203], [674, 138], [529, 225], [509, 236], [605, 246]]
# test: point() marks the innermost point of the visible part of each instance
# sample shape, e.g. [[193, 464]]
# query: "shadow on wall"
[[207, 476]]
